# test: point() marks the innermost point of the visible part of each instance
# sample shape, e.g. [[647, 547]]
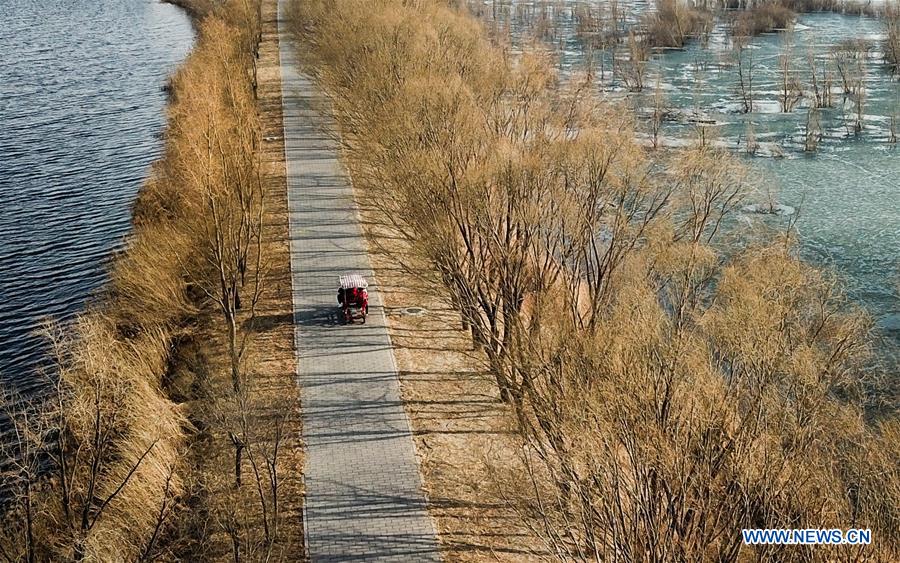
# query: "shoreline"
[[152, 437], [195, 9]]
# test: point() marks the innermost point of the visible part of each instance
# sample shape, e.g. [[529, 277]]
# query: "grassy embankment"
[[173, 433], [595, 376]]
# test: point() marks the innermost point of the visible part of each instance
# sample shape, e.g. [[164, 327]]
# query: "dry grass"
[[674, 22], [197, 9], [754, 18], [218, 511], [849, 7], [139, 431]]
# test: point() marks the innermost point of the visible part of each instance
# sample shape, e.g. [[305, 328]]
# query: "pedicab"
[[353, 295]]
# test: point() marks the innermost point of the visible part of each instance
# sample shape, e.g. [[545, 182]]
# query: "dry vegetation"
[[762, 18], [749, 18], [770, 15], [618, 44], [659, 395], [174, 368], [197, 9], [674, 22], [892, 37]]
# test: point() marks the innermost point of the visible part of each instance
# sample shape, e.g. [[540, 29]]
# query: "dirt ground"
[[274, 347], [457, 418]]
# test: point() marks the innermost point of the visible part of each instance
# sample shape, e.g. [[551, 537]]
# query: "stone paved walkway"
[[364, 499]]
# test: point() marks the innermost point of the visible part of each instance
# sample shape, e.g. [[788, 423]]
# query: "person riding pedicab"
[[353, 297]]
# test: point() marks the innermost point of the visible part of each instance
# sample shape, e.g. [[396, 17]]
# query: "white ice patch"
[[767, 106]]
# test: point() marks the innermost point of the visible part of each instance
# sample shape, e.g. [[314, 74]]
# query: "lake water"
[[81, 112], [848, 191]]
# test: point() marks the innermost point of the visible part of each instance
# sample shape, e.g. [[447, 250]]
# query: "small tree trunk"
[[29, 521], [235, 545], [238, 457], [233, 352]]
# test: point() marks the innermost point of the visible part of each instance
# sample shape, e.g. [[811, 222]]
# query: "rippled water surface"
[[81, 111], [848, 191]]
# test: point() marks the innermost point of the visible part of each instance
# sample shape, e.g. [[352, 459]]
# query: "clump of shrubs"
[[762, 18], [773, 15], [674, 22]]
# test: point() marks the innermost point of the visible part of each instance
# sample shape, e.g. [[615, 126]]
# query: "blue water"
[[81, 112]]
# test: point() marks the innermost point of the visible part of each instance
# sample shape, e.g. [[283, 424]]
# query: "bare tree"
[[658, 114], [813, 130], [713, 185], [790, 89], [743, 57], [85, 457], [24, 450], [750, 143], [633, 65], [643, 437], [850, 59], [666, 394], [702, 124], [892, 36], [821, 86], [221, 138], [257, 431]]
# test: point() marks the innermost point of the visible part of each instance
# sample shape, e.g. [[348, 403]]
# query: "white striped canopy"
[[353, 280]]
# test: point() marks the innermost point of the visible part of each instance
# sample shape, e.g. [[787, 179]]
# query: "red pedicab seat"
[[353, 293]]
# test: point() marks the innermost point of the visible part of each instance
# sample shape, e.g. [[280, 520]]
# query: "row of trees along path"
[[364, 497]]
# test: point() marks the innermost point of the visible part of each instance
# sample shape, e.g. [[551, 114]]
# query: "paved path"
[[364, 497]]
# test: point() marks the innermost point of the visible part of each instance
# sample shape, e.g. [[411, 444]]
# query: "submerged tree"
[[743, 58], [820, 85], [658, 113], [850, 58], [813, 131], [632, 65], [790, 89], [892, 36], [750, 143]]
